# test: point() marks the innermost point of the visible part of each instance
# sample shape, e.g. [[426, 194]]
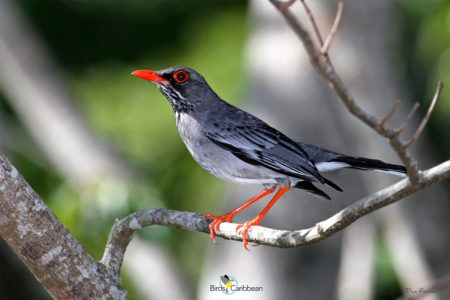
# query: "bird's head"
[[183, 87]]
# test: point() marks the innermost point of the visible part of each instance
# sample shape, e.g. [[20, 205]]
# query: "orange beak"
[[149, 75]]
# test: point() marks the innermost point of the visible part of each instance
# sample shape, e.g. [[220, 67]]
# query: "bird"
[[237, 146]]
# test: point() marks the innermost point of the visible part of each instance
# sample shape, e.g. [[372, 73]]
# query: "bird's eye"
[[180, 76]]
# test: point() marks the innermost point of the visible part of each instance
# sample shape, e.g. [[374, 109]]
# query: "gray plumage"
[[237, 146]]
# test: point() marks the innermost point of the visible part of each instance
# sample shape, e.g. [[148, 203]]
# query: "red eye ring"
[[180, 76]]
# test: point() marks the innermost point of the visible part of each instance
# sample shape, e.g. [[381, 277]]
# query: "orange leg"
[[259, 217], [214, 226]]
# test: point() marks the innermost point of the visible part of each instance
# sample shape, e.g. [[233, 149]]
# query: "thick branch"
[[38, 92], [123, 229], [57, 260]]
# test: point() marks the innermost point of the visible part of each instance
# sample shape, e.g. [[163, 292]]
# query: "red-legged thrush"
[[236, 146]]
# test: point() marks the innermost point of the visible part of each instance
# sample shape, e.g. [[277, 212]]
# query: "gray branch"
[[57, 260], [123, 229]]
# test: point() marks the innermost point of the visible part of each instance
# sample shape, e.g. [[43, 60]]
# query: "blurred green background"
[[98, 44]]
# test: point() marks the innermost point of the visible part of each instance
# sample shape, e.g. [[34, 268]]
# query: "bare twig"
[[313, 22], [426, 118], [337, 20], [324, 69], [381, 122], [285, 5], [406, 121]]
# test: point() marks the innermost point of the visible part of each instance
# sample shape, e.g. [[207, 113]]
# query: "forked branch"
[[406, 121], [322, 63], [337, 20]]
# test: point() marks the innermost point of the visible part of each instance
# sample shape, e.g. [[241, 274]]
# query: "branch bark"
[[57, 260]]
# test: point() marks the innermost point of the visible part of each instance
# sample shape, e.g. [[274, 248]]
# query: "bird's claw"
[[215, 224], [243, 229]]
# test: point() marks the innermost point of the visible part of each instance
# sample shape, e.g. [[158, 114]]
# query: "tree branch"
[[57, 260], [123, 229], [324, 67]]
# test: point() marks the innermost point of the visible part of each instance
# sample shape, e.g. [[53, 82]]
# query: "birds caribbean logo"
[[228, 282]]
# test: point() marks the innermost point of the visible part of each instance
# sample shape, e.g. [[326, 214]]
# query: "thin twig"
[[284, 6], [405, 122], [333, 30], [381, 122], [313, 23], [427, 116], [322, 66]]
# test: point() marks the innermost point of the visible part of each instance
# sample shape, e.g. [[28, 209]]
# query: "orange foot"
[[214, 226], [244, 229]]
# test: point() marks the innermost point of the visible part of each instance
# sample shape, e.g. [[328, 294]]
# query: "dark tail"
[[324, 156], [353, 162], [326, 160], [363, 163], [312, 189]]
